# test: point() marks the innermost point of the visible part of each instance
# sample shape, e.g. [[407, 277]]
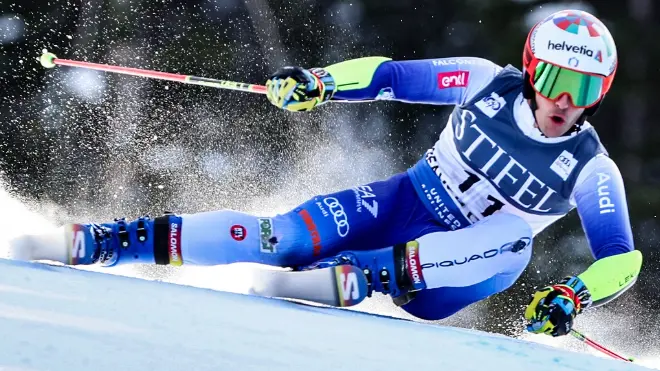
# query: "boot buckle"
[[141, 229], [122, 233]]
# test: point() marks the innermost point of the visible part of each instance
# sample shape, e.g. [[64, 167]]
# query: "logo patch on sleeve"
[[454, 79]]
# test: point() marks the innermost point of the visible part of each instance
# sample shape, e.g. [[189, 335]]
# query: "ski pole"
[[599, 347], [49, 60]]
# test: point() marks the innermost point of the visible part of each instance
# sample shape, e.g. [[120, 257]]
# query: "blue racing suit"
[[489, 161]]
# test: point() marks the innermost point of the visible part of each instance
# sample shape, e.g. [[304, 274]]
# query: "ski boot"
[[393, 271], [143, 240], [110, 242]]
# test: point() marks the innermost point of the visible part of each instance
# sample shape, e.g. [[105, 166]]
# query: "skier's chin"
[[552, 129]]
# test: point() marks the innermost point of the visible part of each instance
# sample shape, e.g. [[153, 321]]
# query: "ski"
[[338, 286]]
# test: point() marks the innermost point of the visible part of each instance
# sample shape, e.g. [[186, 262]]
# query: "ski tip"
[[351, 285]]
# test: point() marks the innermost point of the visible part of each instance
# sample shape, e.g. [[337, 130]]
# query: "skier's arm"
[[430, 81], [601, 203]]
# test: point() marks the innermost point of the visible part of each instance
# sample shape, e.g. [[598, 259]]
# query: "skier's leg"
[[442, 302], [470, 263], [366, 217], [481, 261]]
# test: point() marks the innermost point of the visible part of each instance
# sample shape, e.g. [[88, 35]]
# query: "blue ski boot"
[[143, 240], [393, 270]]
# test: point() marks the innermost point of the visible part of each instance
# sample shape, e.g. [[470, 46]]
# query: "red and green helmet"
[[572, 53]]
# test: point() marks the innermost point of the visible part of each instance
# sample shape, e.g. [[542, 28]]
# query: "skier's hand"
[[297, 89], [553, 308]]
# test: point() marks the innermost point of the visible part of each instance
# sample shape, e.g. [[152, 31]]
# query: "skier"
[[516, 155]]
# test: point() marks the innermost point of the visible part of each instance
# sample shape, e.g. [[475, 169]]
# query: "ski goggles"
[[552, 81]]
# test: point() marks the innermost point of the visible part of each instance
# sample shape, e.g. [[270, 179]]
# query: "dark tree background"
[[94, 145]]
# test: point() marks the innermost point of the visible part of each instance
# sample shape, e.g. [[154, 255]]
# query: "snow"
[[59, 318]]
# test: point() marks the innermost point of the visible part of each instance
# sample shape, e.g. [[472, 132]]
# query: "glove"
[[553, 308], [297, 89]]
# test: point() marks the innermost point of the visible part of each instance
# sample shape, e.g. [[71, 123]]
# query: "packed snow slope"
[[59, 318]]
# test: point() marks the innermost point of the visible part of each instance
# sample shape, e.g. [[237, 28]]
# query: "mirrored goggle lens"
[[553, 81]]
